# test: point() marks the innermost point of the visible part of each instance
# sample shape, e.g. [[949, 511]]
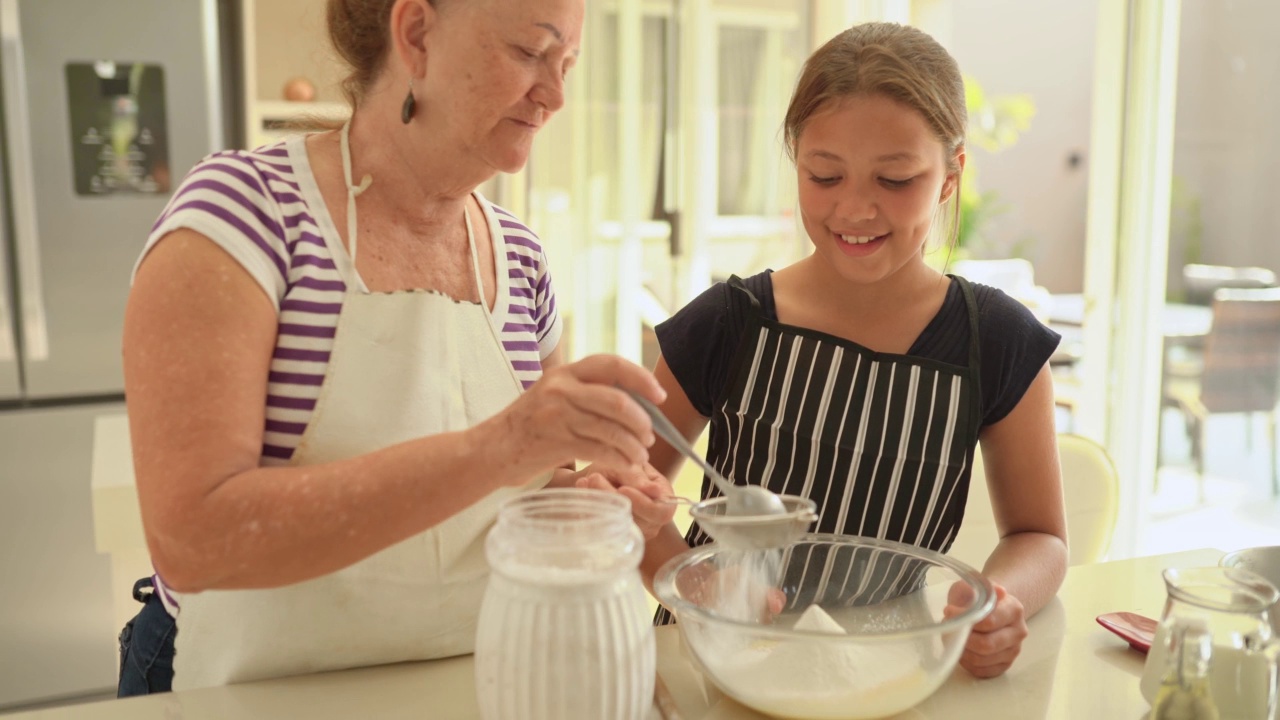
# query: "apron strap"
[[737, 283], [475, 256], [975, 347], [353, 190]]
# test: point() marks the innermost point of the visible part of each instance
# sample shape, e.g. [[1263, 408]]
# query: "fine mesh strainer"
[[746, 517], [755, 532]]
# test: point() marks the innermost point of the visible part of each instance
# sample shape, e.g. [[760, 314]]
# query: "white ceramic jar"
[[564, 631]]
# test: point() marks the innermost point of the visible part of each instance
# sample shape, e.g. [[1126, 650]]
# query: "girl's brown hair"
[[897, 61]]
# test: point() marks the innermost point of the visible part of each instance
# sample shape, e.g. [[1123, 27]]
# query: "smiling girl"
[[860, 376]]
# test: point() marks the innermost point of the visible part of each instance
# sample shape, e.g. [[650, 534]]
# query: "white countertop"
[[1070, 668], [117, 521]]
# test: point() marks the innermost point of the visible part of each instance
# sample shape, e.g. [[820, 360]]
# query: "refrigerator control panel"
[[119, 140]]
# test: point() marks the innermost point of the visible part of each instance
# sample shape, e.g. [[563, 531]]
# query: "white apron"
[[403, 365]]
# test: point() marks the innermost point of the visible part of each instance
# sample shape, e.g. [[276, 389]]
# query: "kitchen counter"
[[117, 520], [1070, 668]]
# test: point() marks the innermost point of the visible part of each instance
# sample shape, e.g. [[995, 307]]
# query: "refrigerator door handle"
[[8, 350], [35, 331]]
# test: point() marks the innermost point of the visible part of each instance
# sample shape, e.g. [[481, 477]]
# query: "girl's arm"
[[667, 460], [1027, 566], [1025, 483]]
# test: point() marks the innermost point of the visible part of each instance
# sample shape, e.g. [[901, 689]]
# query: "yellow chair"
[[1090, 492]]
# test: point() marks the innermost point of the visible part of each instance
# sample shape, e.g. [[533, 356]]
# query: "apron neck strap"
[[737, 282], [975, 349], [475, 256], [353, 190], [971, 308]]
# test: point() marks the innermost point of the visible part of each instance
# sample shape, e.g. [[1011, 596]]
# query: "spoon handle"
[[665, 430]]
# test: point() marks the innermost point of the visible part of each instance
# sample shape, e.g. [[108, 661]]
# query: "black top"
[[699, 341]]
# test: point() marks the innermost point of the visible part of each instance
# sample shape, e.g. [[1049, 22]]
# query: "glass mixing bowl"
[[834, 627]]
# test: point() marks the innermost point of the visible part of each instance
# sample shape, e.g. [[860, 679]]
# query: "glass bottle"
[[564, 628], [1214, 642], [1184, 692]]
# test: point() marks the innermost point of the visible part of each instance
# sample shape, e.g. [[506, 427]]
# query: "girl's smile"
[[872, 175]]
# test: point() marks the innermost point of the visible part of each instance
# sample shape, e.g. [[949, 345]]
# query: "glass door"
[[1220, 317], [665, 171]]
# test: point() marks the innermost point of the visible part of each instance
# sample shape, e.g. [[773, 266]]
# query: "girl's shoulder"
[[1014, 347], [698, 342], [1003, 318]]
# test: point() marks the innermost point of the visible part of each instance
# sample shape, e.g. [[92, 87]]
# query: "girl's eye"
[[891, 183], [823, 180]]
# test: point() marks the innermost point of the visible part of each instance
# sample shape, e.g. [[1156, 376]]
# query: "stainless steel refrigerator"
[[106, 105]]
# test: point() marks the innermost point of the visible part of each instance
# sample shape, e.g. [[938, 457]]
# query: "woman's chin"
[[511, 163]]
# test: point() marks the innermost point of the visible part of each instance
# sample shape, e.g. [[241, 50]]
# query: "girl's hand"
[[994, 643], [648, 490], [734, 593]]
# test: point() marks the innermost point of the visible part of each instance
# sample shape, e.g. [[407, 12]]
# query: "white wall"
[[1227, 131], [1226, 149], [1044, 49], [292, 42]]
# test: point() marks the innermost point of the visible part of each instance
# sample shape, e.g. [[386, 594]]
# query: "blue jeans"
[[146, 646]]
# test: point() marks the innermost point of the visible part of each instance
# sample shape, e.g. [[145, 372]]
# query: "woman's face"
[[871, 176], [496, 71]]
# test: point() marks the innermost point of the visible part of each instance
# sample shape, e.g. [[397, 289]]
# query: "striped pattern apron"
[[882, 443]]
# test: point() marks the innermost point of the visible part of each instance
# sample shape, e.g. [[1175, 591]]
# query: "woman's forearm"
[[275, 526]]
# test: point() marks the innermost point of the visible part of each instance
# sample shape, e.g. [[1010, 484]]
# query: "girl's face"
[[871, 177]]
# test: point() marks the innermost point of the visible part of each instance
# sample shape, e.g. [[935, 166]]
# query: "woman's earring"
[[410, 105]]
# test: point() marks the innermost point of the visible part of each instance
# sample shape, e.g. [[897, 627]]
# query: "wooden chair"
[[1091, 492], [1240, 373]]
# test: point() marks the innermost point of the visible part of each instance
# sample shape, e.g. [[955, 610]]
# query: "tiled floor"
[[1239, 510]]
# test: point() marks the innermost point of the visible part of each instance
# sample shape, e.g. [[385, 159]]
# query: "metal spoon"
[[739, 499]]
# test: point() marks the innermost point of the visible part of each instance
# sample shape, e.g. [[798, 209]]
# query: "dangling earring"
[[410, 105]]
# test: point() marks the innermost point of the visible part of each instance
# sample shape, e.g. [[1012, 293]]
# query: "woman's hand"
[[577, 411], [648, 490], [994, 643]]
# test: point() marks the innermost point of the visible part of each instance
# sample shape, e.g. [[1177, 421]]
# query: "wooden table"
[[1070, 668]]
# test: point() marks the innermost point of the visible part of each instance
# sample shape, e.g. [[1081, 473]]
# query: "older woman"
[[340, 359]]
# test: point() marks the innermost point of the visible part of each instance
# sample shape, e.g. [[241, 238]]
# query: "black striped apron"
[[882, 443]]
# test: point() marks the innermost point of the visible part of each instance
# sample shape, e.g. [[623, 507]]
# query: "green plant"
[[995, 122]]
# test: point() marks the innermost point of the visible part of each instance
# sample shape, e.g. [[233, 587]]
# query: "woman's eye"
[[891, 183], [527, 53], [824, 180]]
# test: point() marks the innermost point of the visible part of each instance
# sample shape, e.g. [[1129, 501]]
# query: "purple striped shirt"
[[262, 207]]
